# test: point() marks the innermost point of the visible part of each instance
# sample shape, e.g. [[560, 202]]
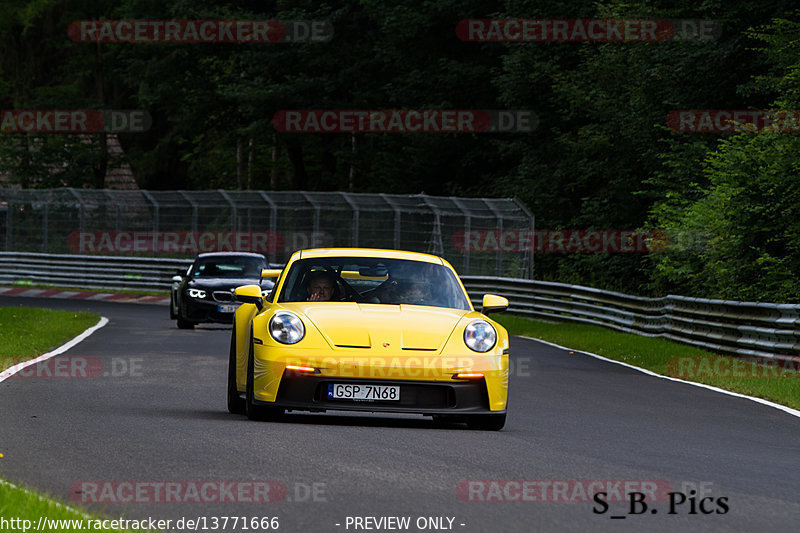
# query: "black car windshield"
[[373, 280], [228, 267]]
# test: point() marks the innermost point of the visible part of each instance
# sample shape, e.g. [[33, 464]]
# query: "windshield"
[[373, 280], [229, 267]]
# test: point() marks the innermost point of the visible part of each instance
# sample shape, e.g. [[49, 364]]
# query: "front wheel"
[[253, 411], [487, 422], [235, 402], [173, 314]]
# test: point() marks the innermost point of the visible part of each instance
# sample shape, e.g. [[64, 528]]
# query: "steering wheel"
[[350, 294]]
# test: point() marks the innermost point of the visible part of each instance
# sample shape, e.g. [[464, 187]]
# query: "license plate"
[[364, 392], [227, 308]]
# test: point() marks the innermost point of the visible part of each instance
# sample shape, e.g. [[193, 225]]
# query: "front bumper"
[[429, 378], [197, 310], [310, 393]]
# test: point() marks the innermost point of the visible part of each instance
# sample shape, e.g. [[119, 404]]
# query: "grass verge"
[[23, 508], [27, 332], [24, 334], [774, 381]]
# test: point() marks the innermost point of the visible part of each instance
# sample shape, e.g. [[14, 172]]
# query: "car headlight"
[[197, 293], [480, 336], [286, 328]]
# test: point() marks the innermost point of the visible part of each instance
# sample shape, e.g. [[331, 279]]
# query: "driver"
[[321, 287]]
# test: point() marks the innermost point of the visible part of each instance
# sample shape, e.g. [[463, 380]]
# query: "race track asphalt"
[[159, 415]]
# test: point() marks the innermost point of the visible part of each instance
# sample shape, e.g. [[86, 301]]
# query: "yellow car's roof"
[[366, 252]]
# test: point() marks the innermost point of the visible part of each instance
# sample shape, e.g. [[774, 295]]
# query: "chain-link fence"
[[479, 236]]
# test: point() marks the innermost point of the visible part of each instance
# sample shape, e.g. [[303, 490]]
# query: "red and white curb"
[[80, 295]]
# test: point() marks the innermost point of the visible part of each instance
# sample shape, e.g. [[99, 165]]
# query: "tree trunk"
[[101, 168], [273, 176], [238, 164], [250, 164], [299, 177], [351, 177]]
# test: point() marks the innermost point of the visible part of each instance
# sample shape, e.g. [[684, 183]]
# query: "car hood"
[[404, 327]]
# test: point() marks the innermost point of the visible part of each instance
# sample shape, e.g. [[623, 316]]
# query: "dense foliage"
[[602, 155]]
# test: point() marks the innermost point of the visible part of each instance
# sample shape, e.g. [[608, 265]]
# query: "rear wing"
[[270, 273]]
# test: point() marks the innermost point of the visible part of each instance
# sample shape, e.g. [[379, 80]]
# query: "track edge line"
[[10, 371], [784, 408]]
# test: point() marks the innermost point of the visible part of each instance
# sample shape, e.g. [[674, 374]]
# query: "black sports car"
[[204, 293]]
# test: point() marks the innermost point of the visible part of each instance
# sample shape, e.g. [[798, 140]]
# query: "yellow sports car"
[[368, 330]]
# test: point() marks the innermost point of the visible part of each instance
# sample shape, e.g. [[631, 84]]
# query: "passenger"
[[321, 287], [412, 292]]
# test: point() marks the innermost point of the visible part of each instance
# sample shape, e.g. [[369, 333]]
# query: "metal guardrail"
[[89, 271], [741, 328]]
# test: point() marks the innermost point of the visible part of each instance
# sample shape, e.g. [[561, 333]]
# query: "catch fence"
[[180, 224]]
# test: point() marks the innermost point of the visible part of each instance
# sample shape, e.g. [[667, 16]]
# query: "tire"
[[253, 411], [185, 324], [235, 402], [486, 422]]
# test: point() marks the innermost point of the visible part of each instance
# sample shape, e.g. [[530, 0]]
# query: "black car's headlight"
[[480, 336], [286, 328], [197, 293]]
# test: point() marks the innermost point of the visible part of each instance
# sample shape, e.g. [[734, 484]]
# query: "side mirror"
[[249, 294], [493, 304]]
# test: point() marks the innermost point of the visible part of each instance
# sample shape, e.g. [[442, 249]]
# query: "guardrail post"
[[315, 219], [81, 210], [356, 213], [437, 246], [397, 219], [156, 219], [273, 223], [234, 222], [467, 229], [8, 209], [194, 209], [532, 218], [45, 224], [499, 255]]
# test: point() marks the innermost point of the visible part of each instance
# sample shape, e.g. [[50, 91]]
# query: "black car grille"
[[223, 296]]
